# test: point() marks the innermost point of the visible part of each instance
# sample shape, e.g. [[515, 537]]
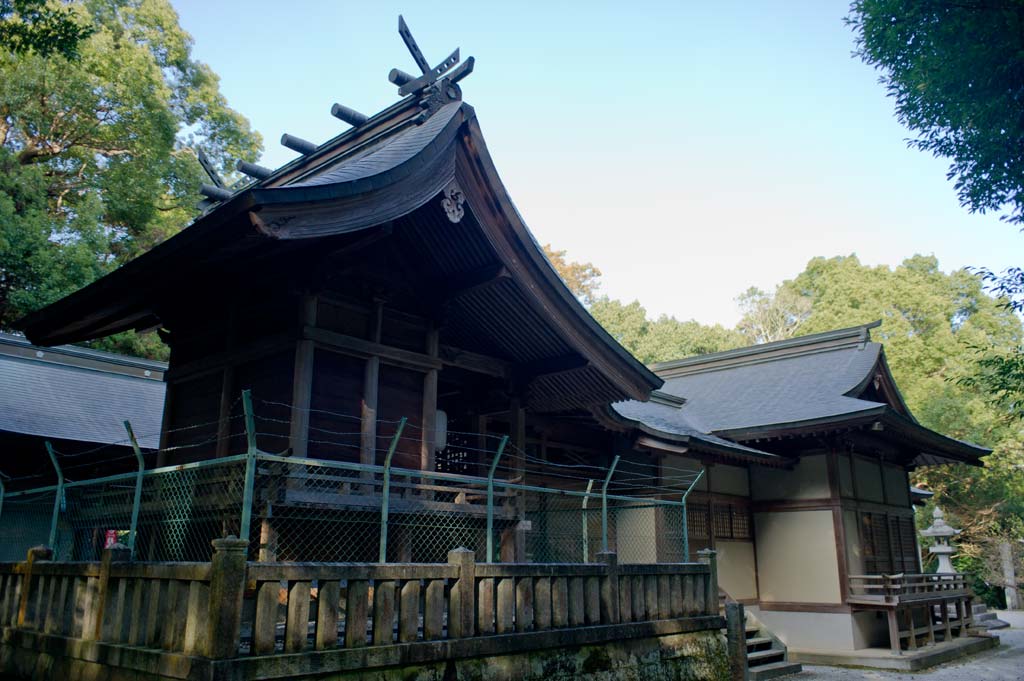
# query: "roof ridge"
[[825, 341], [101, 356]]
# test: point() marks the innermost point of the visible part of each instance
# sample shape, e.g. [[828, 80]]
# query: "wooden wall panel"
[[335, 406], [401, 394]]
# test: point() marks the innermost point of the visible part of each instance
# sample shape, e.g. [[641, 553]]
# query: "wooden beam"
[[455, 287], [477, 363], [364, 348], [652, 443]]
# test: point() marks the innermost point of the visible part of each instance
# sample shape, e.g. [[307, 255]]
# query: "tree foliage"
[[41, 27], [100, 152], [771, 317], [664, 338], [582, 278], [955, 71]]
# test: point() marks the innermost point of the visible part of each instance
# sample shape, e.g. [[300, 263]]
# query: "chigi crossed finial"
[[408, 83]]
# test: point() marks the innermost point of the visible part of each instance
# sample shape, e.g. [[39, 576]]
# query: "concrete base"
[[909, 661]]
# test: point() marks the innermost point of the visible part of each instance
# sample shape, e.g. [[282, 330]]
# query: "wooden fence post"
[[710, 558], [35, 553], [462, 608], [227, 587], [610, 588], [118, 553]]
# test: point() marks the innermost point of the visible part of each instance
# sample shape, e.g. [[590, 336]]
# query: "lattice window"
[[741, 523], [723, 522], [889, 543], [697, 520]]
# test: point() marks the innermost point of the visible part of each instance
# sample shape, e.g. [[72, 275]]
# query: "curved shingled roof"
[[816, 381]]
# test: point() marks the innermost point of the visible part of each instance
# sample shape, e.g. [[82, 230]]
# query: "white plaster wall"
[[869, 479], [807, 480], [796, 557], [636, 535], [729, 480], [736, 568], [897, 486], [816, 631]]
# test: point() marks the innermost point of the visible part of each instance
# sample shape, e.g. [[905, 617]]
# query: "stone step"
[[757, 642], [979, 608], [765, 656], [752, 631], [984, 616], [774, 670]]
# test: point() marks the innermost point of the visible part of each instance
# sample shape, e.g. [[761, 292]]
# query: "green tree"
[[664, 338], [770, 317], [955, 70], [41, 27], [109, 140], [582, 278]]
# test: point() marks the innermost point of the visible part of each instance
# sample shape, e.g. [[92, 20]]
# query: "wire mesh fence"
[[294, 509]]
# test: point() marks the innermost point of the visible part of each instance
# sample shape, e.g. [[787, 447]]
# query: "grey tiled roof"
[[51, 397], [785, 390]]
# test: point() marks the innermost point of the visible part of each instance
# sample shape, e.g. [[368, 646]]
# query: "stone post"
[[35, 553], [462, 608], [1009, 576], [118, 553], [710, 558], [736, 638], [227, 587], [610, 588]]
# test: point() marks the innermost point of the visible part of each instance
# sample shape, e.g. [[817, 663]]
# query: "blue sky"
[[689, 149]]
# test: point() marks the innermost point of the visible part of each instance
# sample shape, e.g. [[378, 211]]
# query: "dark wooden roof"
[[811, 384], [393, 170]]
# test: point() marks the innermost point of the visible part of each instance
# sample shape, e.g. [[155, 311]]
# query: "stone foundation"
[[691, 656]]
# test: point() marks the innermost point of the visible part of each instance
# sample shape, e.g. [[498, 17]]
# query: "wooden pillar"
[[911, 629], [161, 455], [371, 381], [429, 420], [227, 386], [711, 506], [894, 631], [517, 433], [302, 382]]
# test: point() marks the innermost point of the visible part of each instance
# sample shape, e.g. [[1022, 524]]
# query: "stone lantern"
[[941, 533]]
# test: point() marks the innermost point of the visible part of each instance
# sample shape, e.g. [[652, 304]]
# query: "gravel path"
[[1005, 663]]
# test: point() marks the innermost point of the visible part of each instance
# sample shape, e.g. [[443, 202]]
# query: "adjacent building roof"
[[812, 382], [72, 393]]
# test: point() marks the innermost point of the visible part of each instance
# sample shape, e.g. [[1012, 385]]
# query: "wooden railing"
[[917, 606], [906, 588], [231, 609]]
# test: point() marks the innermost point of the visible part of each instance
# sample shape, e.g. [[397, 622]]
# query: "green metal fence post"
[[137, 500], [58, 497], [250, 465], [386, 492], [686, 526], [490, 498], [586, 528], [604, 504]]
